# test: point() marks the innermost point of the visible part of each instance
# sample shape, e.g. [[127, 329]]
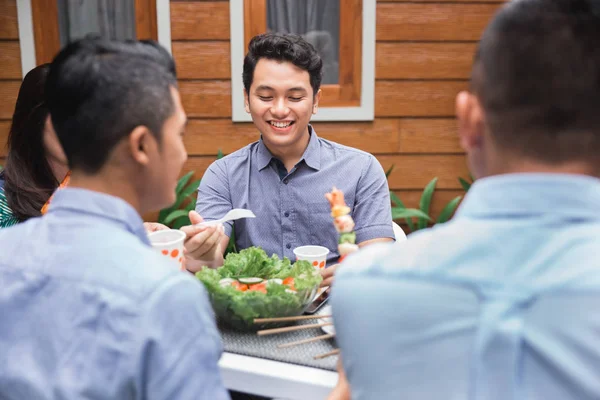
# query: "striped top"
[[6, 215]]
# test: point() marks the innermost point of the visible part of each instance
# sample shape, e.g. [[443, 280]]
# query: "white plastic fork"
[[232, 215]]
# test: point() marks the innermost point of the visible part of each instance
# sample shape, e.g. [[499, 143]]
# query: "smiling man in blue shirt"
[[283, 177], [88, 309], [502, 301]]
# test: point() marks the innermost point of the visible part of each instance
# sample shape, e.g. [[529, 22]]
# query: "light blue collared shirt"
[[88, 310], [499, 303], [291, 209]]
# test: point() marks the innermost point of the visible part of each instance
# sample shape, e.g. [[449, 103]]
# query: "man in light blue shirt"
[[501, 302], [88, 309], [284, 176]]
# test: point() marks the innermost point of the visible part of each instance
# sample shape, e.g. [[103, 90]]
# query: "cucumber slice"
[[250, 281], [290, 291], [276, 281], [226, 282]]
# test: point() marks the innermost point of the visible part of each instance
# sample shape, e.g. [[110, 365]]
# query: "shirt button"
[[288, 246], [285, 181], [286, 214]]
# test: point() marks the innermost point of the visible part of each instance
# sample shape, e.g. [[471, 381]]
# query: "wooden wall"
[[424, 51], [10, 68]]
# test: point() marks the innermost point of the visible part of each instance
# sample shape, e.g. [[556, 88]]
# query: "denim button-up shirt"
[[499, 303], [291, 209], [88, 310]]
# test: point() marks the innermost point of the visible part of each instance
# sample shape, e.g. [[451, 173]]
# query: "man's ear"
[[246, 102], [141, 144], [471, 121], [316, 100]]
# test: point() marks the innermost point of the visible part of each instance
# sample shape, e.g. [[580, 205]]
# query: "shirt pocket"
[[322, 230]]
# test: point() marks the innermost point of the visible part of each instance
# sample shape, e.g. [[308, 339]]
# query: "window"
[[47, 25], [108, 18], [343, 31]]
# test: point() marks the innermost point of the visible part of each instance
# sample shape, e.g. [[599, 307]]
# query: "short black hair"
[[537, 76], [283, 47], [99, 90]]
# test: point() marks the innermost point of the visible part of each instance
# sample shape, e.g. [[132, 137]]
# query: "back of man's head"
[[98, 91], [537, 77]]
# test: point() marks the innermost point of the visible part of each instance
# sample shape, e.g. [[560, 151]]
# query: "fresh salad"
[[252, 285]]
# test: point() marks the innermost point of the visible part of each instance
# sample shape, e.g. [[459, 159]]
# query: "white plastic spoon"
[[236, 213]]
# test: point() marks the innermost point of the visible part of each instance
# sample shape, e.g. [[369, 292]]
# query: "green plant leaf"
[[425, 202], [398, 213], [183, 181], [411, 224], [396, 200], [174, 215], [449, 210], [389, 171], [190, 206], [178, 189], [181, 222], [184, 195], [465, 185]]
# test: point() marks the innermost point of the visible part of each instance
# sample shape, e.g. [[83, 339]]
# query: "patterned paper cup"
[[316, 255], [170, 244]]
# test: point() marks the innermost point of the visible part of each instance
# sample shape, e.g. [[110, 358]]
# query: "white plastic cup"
[[316, 255], [169, 243]]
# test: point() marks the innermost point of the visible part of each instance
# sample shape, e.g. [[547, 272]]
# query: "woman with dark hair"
[[36, 163]]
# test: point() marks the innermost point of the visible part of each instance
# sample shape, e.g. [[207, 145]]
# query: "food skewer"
[[291, 328], [329, 354], [304, 341], [343, 222], [284, 319]]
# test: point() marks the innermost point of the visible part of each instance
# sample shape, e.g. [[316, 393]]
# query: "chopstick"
[[282, 319], [325, 355], [291, 328], [322, 337]]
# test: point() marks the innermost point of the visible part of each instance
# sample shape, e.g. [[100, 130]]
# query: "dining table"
[[257, 365]]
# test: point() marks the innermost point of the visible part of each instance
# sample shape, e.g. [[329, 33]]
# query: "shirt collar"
[[573, 196], [108, 208], [311, 156]]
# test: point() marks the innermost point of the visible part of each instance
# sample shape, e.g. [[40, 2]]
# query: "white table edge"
[[274, 378]]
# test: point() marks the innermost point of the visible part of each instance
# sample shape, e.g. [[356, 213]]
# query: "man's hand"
[[342, 389], [154, 226], [329, 272], [203, 244], [327, 275]]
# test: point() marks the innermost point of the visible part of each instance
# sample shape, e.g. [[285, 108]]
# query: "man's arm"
[[372, 211], [179, 344], [205, 246]]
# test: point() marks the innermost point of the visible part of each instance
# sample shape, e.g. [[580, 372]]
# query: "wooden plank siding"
[[424, 52], [8, 20], [10, 68]]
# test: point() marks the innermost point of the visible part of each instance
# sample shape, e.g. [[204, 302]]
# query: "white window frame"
[[27, 40], [364, 112]]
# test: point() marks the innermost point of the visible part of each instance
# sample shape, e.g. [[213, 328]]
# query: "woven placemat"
[[250, 344]]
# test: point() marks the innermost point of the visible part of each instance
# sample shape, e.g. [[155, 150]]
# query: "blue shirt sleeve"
[[180, 346], [214, 200], [401, 335], [372, 210]]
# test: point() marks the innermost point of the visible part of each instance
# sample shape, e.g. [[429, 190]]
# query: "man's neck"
[[516, 165], [107, 183], [290, 155]]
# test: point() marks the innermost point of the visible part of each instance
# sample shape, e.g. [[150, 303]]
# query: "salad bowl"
[[252, 285]]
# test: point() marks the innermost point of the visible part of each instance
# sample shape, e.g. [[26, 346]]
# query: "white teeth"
[[281, 124]]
